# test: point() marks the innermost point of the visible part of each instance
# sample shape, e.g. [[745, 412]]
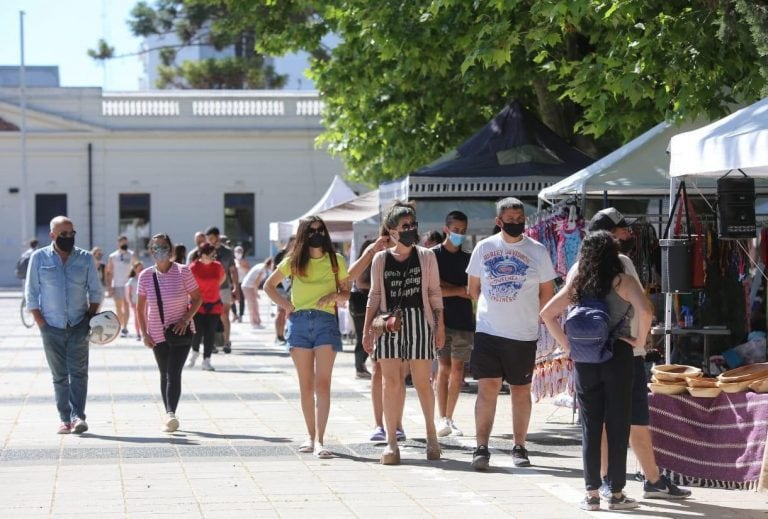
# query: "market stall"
[[710, 442], [717, 441]]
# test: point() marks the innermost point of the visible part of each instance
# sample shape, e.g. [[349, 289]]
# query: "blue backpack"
[[588, 328]]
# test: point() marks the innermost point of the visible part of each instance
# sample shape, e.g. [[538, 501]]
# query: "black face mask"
[[408, 238], [316, 240], [124, 246], [65, 244], [626, 245], [513, 229]]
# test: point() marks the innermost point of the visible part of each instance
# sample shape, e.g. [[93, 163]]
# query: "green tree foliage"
[[411, 79], [196, 22]]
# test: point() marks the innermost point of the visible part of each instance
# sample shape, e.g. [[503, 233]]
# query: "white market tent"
[[361, 212], [639, 168], [738, 141], [338, 192]]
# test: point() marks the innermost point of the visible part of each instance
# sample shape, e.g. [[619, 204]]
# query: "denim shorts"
[[312, 328]]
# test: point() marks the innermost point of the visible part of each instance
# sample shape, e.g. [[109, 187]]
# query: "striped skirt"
[[414, 341]]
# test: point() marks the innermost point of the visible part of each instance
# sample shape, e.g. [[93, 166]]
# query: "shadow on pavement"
[[176, 439], [270, 439]]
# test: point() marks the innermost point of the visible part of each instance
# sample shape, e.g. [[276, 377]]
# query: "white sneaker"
[[171, 423], [455, 431], [443, 427], [193, 358], [206, 365]]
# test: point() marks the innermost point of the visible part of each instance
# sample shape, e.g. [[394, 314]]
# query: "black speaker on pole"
[[675, 266], [736, 207]]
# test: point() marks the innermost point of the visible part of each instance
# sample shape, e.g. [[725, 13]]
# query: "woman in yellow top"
[[319, 283]]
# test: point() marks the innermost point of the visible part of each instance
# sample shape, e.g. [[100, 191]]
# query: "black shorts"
[[497, 357], [640, 414]]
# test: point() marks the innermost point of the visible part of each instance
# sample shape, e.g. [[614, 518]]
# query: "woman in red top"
[[209, 274]]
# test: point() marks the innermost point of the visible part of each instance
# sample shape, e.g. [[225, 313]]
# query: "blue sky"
[[59, 32]]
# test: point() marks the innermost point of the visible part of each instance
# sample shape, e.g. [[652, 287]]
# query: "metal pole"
[[668, 296], [90, 195], [23, 94]]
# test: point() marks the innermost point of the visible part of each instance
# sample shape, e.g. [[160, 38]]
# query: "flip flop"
[[307, 447], [323, 453]]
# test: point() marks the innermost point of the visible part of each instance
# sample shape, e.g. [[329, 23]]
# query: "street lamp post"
[[23, 94]]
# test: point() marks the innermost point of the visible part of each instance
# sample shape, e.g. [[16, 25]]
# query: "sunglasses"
[[65, 234], [157, 248], [312, 231], [410, 226]]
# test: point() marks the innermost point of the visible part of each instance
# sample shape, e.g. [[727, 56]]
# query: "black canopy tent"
[[514, 154]]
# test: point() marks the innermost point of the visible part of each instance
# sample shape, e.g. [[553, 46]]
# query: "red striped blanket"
[[711, 442]]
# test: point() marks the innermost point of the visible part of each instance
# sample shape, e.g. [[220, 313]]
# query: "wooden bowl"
[[701, 382], [668, 382], [704, 392], [675, 372], [759, 386], [734, 387], [666, 389], [748, 372]]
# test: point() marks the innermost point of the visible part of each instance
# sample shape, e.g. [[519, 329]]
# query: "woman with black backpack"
[[604, 382]]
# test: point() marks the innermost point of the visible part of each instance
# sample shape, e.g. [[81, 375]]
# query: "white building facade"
[[166, 161]]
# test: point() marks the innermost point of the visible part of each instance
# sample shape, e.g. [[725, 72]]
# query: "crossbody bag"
[[172, 338]]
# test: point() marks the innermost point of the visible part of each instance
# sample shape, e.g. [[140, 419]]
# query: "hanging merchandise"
[[560, 229], [698, 240], [678, 259], [645, 253]]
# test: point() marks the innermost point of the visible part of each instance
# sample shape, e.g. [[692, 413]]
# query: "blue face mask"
[[457, 239], [160, 254]]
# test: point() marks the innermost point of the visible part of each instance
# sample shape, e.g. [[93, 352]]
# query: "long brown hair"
[[300, 252], [599, 264]]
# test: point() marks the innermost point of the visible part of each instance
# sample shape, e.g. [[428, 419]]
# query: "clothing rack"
[[552, 210]]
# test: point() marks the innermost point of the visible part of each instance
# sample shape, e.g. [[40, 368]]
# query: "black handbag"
[[172, 338]]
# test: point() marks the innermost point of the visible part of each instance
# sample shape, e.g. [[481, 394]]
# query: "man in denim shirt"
[[63, 292]]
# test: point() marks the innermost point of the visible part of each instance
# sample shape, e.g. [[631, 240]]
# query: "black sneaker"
[[591, 503], [481, 458], [664, 489], [621, 502], [228, 347], [520, 456]]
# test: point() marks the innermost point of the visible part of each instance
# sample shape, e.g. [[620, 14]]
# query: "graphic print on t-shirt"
[[402, 282], [506, 271]]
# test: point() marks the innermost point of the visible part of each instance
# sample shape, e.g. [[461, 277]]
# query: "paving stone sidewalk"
[[236, 453]]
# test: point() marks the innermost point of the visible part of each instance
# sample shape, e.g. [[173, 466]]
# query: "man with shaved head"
[[63, 292]]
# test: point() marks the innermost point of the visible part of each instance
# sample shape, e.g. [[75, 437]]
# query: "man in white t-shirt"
[[510, 276], [655, 484], [116, 276]]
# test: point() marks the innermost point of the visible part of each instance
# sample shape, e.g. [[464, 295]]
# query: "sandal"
[[390, 457], [433, 450], [322, 453], [307, 447]]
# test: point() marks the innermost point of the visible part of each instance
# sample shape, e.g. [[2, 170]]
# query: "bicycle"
[[27, 319]]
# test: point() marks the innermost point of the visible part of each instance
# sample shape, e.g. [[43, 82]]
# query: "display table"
[[710, 442], [706, 332]]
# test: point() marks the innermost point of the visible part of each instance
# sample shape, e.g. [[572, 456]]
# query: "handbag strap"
[[159, 297], [335, 269], [684, 191]]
